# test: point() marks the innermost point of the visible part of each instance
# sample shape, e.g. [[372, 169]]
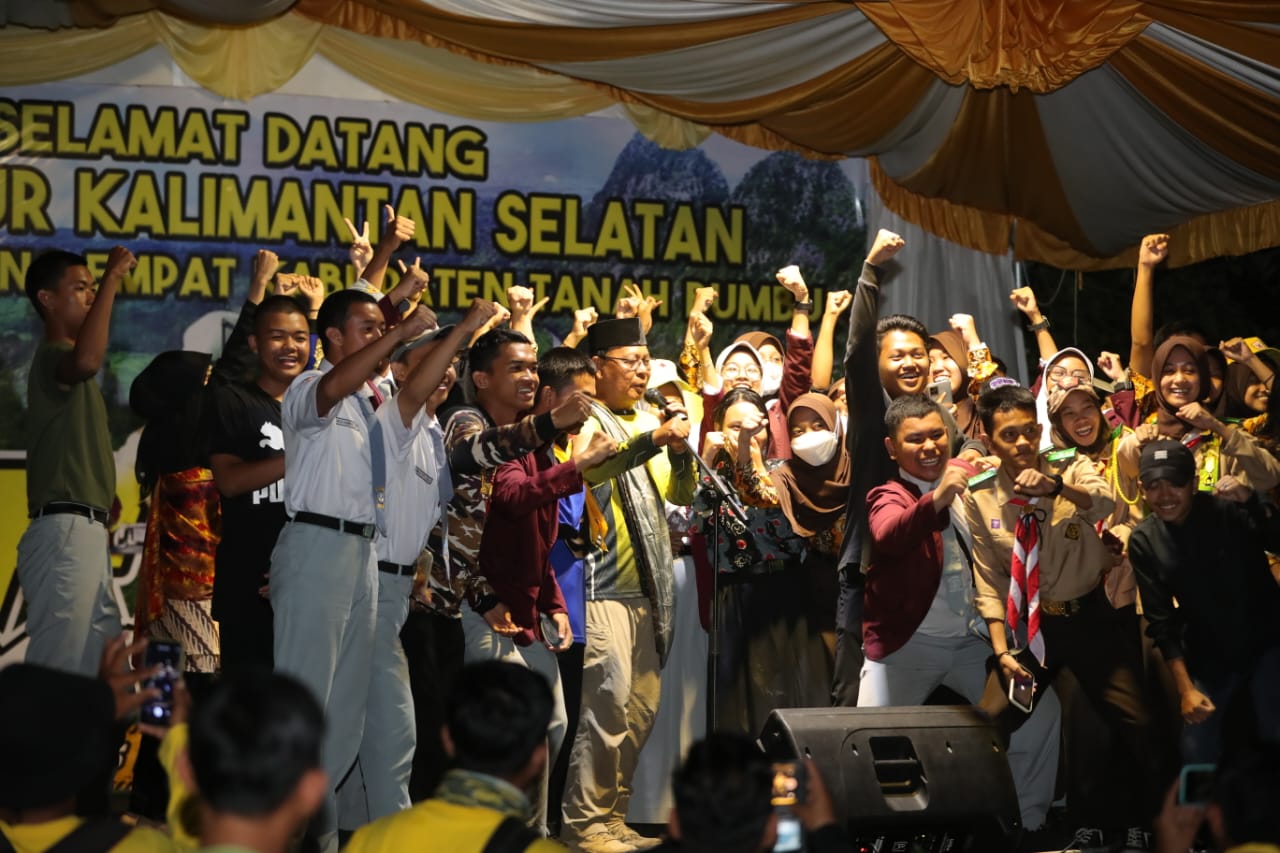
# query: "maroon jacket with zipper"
[[906, 564]]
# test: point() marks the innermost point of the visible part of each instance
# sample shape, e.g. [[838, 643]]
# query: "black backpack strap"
[[511, 836], [96, 835]]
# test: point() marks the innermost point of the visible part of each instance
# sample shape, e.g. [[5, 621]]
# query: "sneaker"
[[629, 836], [1136, 839], [1086, 838], [600, 840]]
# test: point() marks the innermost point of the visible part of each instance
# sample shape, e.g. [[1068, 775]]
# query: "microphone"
[[654, 398]]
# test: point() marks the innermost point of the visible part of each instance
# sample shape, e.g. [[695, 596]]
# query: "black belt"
[[363, 530], [70, 508], [396, 569]]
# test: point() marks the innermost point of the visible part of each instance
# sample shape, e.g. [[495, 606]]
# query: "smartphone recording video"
[[170, 657]]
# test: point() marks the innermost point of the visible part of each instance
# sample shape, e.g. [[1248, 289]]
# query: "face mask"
[[770, 380], [816, 448]]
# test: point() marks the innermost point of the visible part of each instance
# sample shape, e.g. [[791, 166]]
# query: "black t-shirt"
[[244, 421]]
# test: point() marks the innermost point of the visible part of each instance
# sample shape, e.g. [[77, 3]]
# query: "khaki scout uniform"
[[1076, 620]]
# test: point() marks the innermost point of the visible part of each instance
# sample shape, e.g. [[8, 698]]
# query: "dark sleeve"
[[1164, 625], [312, 360], [517, 491], [862, 375], [237, 362], [797, 369], [223, 421], [390, 313], [897, 524], [550, 598], [828, 839], [1124, 404]]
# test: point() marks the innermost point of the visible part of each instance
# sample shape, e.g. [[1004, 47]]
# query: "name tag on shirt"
[[423, 475], [345, 422]]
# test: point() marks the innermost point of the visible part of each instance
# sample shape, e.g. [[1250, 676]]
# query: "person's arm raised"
[[397, 230], [347, 376], [424, 379], [86, 357], [824, 349], [1024, 299], [1152, 251]]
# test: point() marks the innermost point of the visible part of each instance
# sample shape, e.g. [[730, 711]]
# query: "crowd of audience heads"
[[432, 586]]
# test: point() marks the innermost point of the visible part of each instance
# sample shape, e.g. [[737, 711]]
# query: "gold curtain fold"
[[1222, 233], [239, 62], [411, 19], [1038, 45], [37, 56], [451, 83], [1228, 115], [996, 158], [1263, 11], [1260, 44], [967, 226]]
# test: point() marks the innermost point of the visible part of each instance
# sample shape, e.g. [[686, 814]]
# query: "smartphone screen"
[[940, 391], [1022, 692], [170, 657], [790, 837], [1195, 784]]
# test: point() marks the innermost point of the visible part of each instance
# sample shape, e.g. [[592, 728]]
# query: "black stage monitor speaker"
[[930, 779]]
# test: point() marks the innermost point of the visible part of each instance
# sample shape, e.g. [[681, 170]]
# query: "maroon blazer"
[[906, 564], [519, 530]]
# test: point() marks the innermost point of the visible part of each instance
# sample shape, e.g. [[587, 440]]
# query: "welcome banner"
[[194, 186]]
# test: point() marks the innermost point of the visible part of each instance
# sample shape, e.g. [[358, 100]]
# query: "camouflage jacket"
[[476, 447]]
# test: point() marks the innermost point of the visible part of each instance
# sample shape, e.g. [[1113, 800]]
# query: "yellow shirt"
[[436, 825], [38, 837]]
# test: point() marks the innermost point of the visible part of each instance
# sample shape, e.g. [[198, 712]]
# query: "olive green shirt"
[[68, 447]]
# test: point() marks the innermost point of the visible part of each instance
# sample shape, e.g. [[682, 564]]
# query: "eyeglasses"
[[1059, 373], [732, 371], [631, 365]]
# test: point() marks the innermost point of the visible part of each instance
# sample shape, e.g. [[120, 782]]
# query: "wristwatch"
[[1057, 485], [805, 307]]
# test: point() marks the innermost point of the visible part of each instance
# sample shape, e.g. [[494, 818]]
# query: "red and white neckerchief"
[[1024, 586]]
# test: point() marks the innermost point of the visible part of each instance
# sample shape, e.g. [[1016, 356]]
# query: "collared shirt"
[[952, 609], [1072, 557], [327, 468], [413, 495]]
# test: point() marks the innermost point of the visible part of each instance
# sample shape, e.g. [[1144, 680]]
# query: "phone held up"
[[171, 658]]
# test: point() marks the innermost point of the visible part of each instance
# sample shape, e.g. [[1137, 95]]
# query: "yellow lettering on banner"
[[92, 191], [196, 282], [317, 147], [466, 154], [24, 201], [142, 206], [724, 239], [682, 241], [510, 236], [573, 245], [107, 137], [153, 276], [196, 142], [242, 214], [544, 226], [615, 235], [225, 270], [648, 212], [66, 143], [10, 136], [289, 216], [597, 293], [231, 125], [385, 153], [13, 270], [453, 220], [496, 284], [352, 130], [566, 298], [149, 140], [468, 286], [281, 140], [328, 207], [37, 136], [442, 279]]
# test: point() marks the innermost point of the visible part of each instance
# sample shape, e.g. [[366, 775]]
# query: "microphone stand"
[[722, 498]]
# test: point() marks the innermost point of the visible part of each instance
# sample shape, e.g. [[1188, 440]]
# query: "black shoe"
[[1085, 838], [1136, 840]]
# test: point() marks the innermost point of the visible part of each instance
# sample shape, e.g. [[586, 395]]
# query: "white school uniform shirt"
[[413, 496], [327, 467]]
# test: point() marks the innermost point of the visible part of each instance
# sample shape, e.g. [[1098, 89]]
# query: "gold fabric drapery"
[[1022, 44], [991, 169]]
